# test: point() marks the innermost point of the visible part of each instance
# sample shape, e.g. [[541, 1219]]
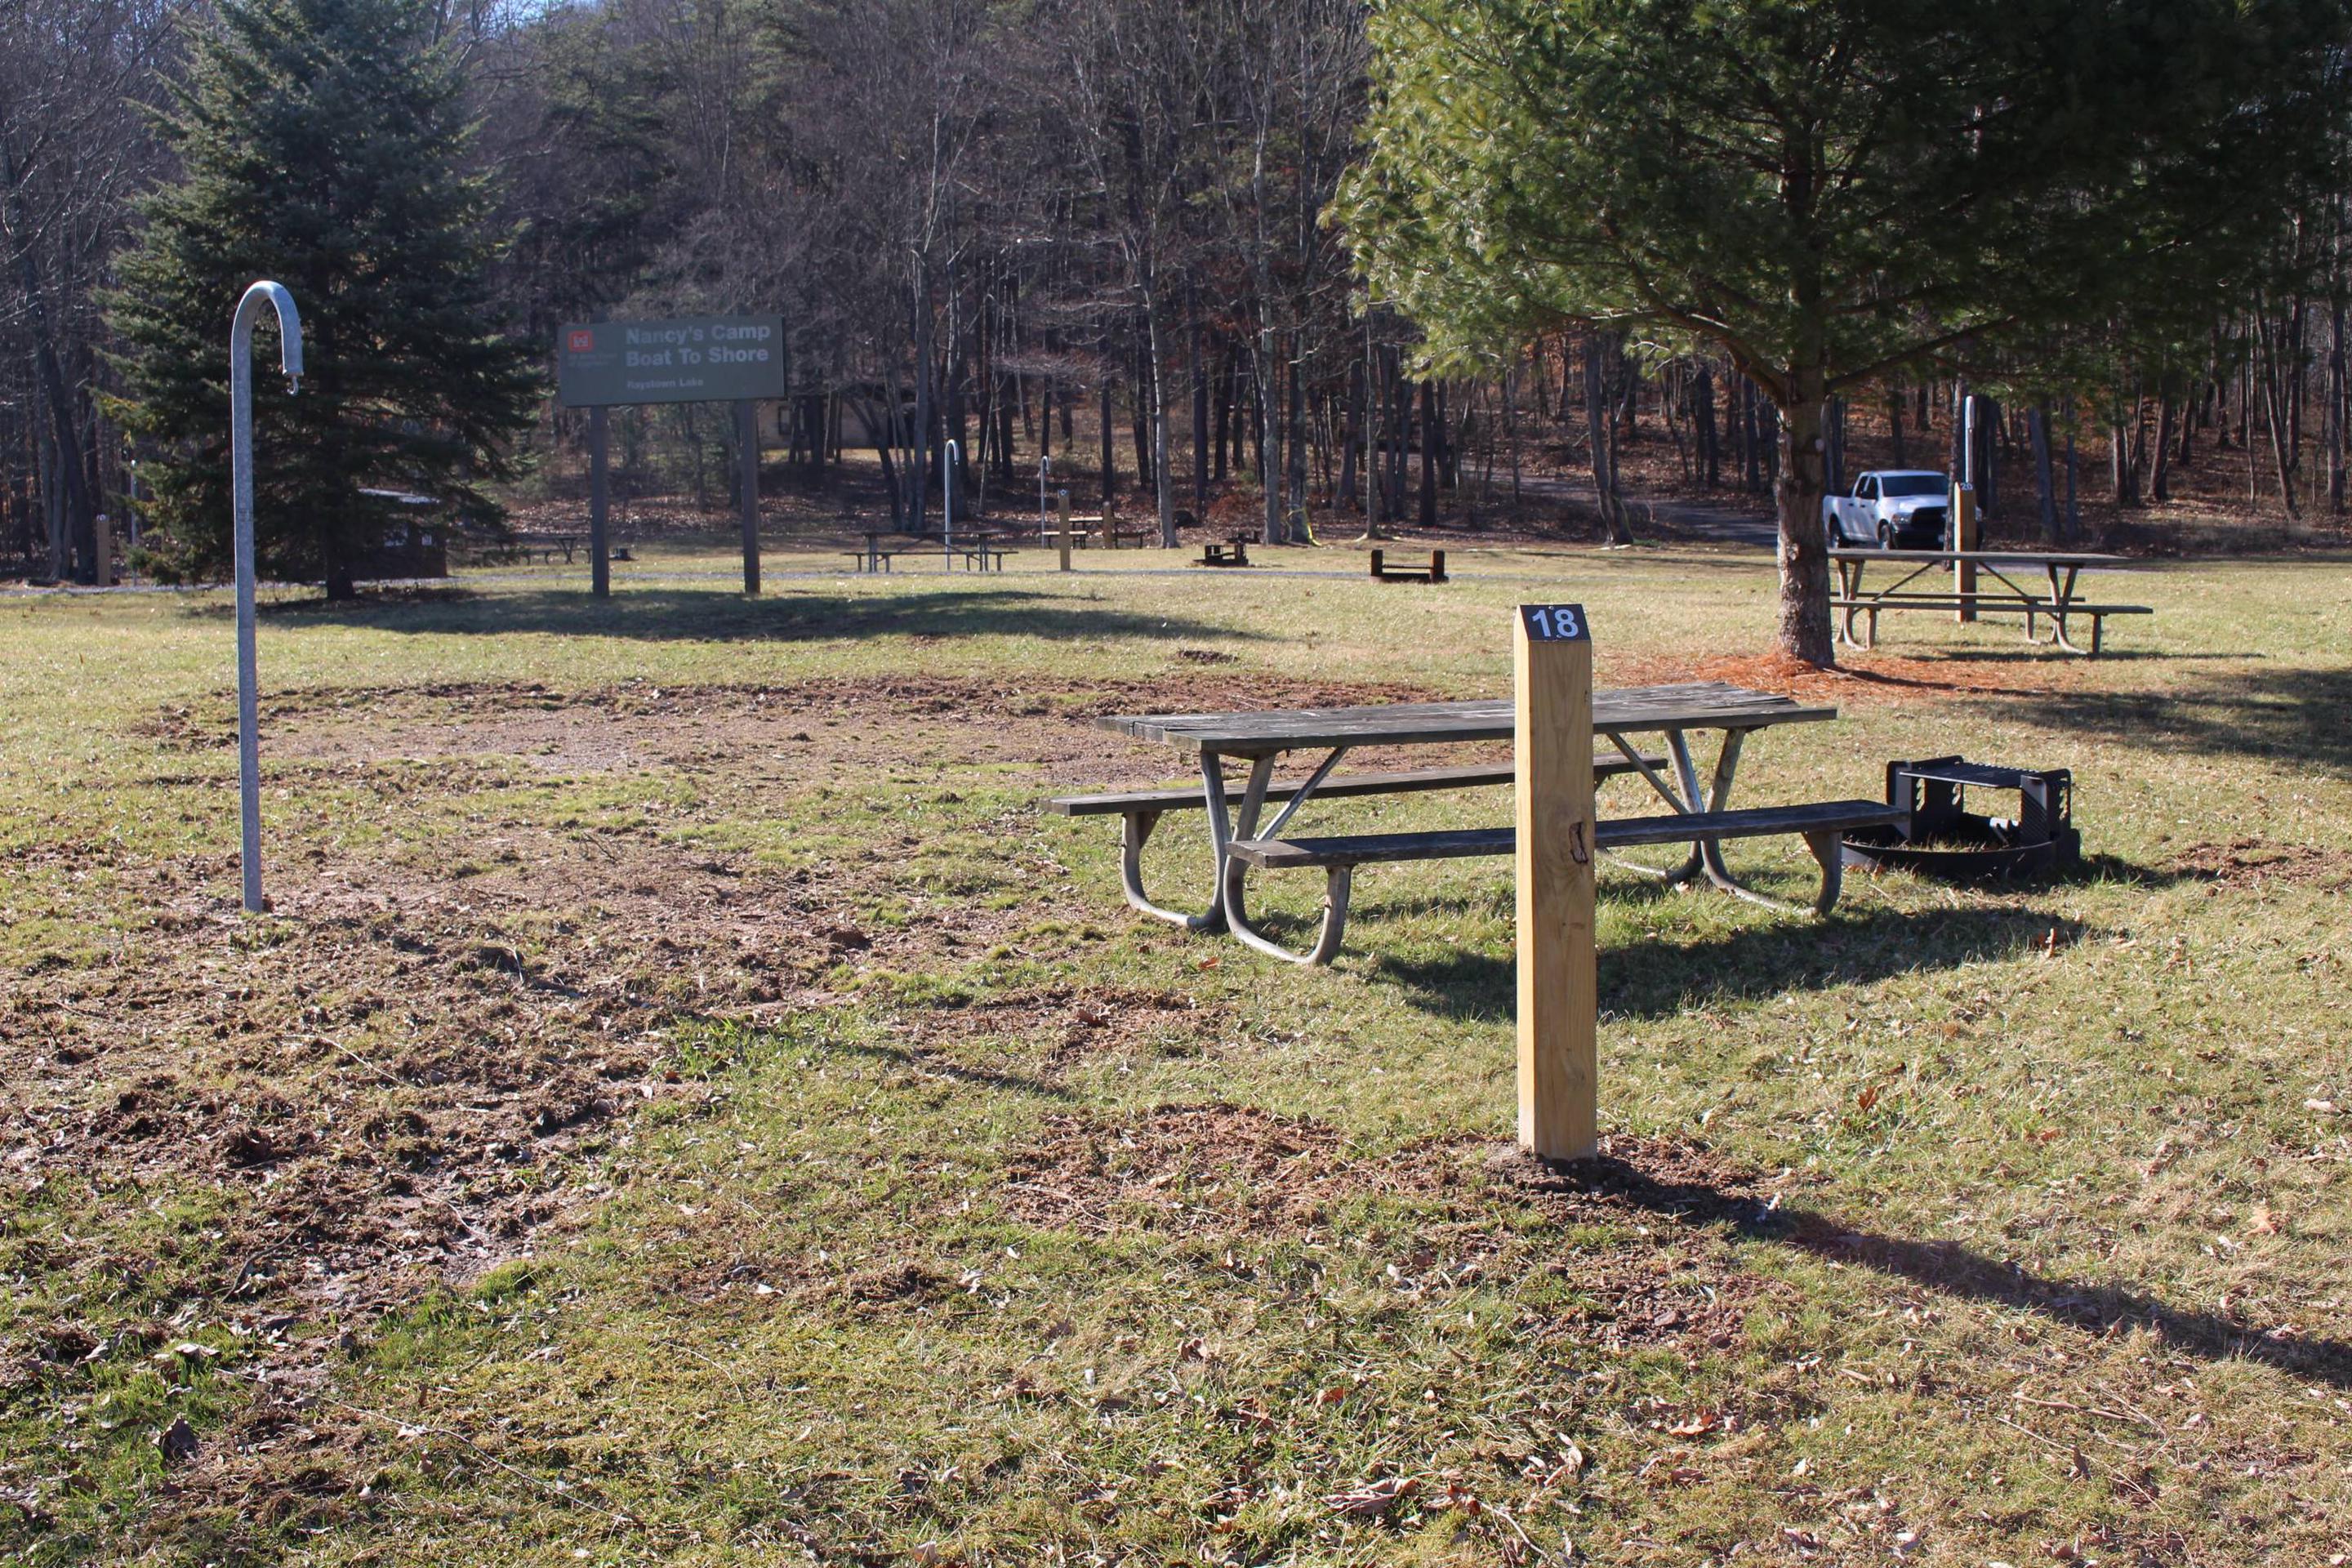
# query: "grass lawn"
[[689, 1105]]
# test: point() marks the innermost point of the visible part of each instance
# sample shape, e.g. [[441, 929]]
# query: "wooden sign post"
[[1062, 540], [747, 442], [1559, 1007]]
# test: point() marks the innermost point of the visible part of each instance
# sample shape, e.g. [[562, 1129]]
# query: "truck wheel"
[[1885, 536]]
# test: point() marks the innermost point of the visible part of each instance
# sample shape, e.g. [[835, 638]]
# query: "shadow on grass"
[[2290, 715], [675, 614], [928, 1062], [1943, 1265], [1659, 980]]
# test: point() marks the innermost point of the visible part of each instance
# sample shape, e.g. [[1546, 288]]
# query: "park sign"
[[693, 359]]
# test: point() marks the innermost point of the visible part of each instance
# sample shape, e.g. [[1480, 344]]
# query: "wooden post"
[[747, 442], [102, 552], [1558, 1020], [599, 491], [1062, 540], [1964, 537]]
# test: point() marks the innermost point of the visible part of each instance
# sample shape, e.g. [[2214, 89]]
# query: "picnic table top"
[[1705, 705], [1983, 557]]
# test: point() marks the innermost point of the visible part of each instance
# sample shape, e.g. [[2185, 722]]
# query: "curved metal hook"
[[289, 328]]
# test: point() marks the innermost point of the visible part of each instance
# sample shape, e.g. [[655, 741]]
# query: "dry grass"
[[688, 1105]]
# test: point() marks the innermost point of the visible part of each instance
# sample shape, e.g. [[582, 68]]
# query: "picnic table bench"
[[1383, 571], [545, 545], [2061, 603], [1233, 551], [1700, 816]]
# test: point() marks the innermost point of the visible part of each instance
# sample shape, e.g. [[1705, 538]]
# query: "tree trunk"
[[1804, 549], [1710, 447], [1429, 439], [1200, 416], [1109, 446], [1295, 519], [2073, 531], [1894, 422], [1355, 432], [2037, 424], [1269, 451], [1167, 481], [2339, 407], [1598, 410], [1511, 428], [2159, 480]]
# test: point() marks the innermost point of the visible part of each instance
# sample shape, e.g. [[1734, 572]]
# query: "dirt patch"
[[1227, 1169], [1084, 1020], [2254, 863], [821, 729], [1231, 1171], [1870, 678]]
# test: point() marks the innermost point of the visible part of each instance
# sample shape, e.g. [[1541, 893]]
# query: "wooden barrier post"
[[747, 441], [1061, 541], [1964, 537], [600, 494], [1558, 1019]]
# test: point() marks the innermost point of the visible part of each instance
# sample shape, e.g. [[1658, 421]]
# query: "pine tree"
[[322, 143]]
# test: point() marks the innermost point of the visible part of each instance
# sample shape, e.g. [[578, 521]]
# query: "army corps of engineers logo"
[[583, 341]]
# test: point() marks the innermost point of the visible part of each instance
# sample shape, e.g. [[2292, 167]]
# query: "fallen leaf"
[[177, 1443], [1696, 1426], [1868, 1097], [1374, 1500], [2261, 1222]]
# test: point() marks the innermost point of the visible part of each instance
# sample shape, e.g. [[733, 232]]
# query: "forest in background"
[[1093, 229]]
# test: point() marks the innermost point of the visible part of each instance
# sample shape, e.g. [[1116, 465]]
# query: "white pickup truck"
[[1894, 509]]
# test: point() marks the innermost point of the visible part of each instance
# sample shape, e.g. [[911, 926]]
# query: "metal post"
[[600, 501], [240, 425], [747, 437], [1964, 511], [949, 455]]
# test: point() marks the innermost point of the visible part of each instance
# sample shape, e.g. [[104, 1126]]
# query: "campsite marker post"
[[240, 446], [1551, 649], [1062, 540]]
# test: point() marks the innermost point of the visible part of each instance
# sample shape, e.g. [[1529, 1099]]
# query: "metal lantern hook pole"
[[240, 417], [950, 456]]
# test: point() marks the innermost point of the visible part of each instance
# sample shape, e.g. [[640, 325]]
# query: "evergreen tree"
[[322, 143]]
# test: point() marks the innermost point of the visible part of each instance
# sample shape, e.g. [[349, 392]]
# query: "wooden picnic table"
[[1260, 737], [2060, 568]]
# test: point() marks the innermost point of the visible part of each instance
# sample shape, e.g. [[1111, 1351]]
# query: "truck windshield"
[[1912, 485]]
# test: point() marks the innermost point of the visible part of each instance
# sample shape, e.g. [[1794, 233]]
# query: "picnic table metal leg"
[[1224, 829], [1234, 874], [2059, 599], [1709, 852], [1683, 805], [1328, 932]]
